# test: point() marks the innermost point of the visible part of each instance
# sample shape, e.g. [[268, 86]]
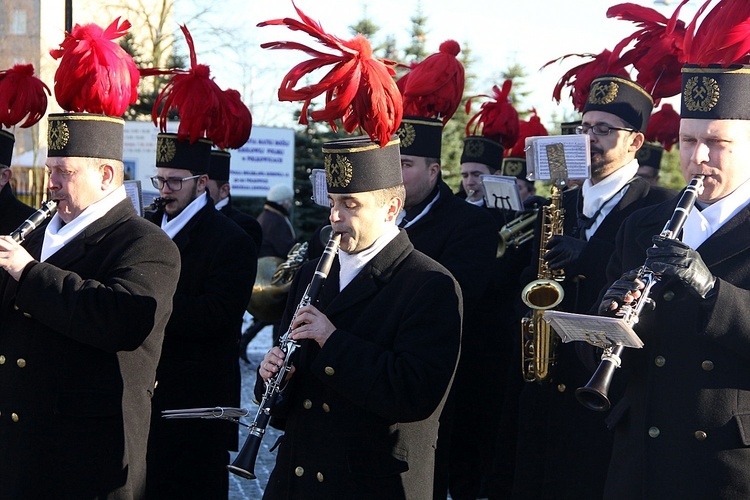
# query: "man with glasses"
[[199, 366], [564, 448]]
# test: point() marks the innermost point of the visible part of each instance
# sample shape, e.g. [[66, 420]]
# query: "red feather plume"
[[23, 96], [497, 117], [664, 127], [193, 94], [434, 87], [658, 50], [529, 128], [723, 36], [235, 124], [95, 74], [579, 78], [359, 89]]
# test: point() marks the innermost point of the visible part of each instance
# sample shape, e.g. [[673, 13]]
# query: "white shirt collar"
[[174, 226], [352, 264], [58, 234], [701, 224]]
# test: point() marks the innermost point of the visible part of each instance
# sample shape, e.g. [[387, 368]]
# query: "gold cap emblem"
[[474, 149], [603, 93], [406, 134], [165, 149], [339, 171], [513, 167], [701, 93], [58, 135]]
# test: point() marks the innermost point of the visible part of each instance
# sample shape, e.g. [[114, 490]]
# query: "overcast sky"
[[499, 34]]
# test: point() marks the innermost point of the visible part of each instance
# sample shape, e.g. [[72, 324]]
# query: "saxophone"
[[538, 340]]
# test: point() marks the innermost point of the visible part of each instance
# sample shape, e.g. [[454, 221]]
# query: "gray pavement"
[[252, 489]]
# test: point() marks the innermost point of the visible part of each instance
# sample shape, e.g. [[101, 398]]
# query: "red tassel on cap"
[[359, 89], [23, 96], [657, 54], [95, 74], [434, 87], [664, 127], [234, 127], [497, 117], [723, 36], [529, 128], [579, 78], [193, 94]]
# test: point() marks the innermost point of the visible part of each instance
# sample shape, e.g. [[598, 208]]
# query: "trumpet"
[[516, 232], [595, 394], [244, 463], [48, 209]]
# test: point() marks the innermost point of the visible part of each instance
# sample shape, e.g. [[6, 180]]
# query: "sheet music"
[[572, 151], [501, 191], [601, 331], [319, 187], [133, 190]]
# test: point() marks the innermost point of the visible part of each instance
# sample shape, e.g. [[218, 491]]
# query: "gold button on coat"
[[654, 432], [21, 362], [320, 477], [299, 471], [2, 359], [26, 315], [660, 361], [14, 417], [561, 387], [668, 295], [329, 370], [307, 404], [700, 435], [707, 365], [326, 408]]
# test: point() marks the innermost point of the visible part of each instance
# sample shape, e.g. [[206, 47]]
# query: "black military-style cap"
[[569, 128], [6, 148], [173, 153], [514, 166], [480, 149], [85, 135], [621, 97], [650, 155], [356, 165], [218, 169], [421, 136], [716, 93]]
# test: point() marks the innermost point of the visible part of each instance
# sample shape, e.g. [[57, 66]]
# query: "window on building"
[[18, 22]]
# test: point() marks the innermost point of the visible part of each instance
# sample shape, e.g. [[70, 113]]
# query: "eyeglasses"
[[599, 129], [172, 183]]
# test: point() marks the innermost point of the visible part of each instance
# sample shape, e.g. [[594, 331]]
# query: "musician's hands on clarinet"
[[563, 251], [310, 323], [670, 257], [622, 292], [272, 363], [13, 257]]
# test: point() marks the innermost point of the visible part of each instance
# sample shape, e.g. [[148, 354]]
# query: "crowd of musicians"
[[411, 375]]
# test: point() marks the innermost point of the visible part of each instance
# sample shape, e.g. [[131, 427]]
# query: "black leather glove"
[[617, 293], [534, 202], [563, 250], [674, 258]]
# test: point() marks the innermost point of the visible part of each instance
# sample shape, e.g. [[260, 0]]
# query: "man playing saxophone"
[[553, 426], [378, 347], [687, 403]]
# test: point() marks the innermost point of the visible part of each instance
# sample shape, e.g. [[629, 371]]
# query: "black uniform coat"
[[80, 338], [563, 447], [199, 366], [362, 413], [12, 211], [683, 428], [278, 237], [245, 221]]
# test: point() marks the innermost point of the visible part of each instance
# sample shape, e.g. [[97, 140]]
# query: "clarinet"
[[594, 395], [48, 208], [244, 463]]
